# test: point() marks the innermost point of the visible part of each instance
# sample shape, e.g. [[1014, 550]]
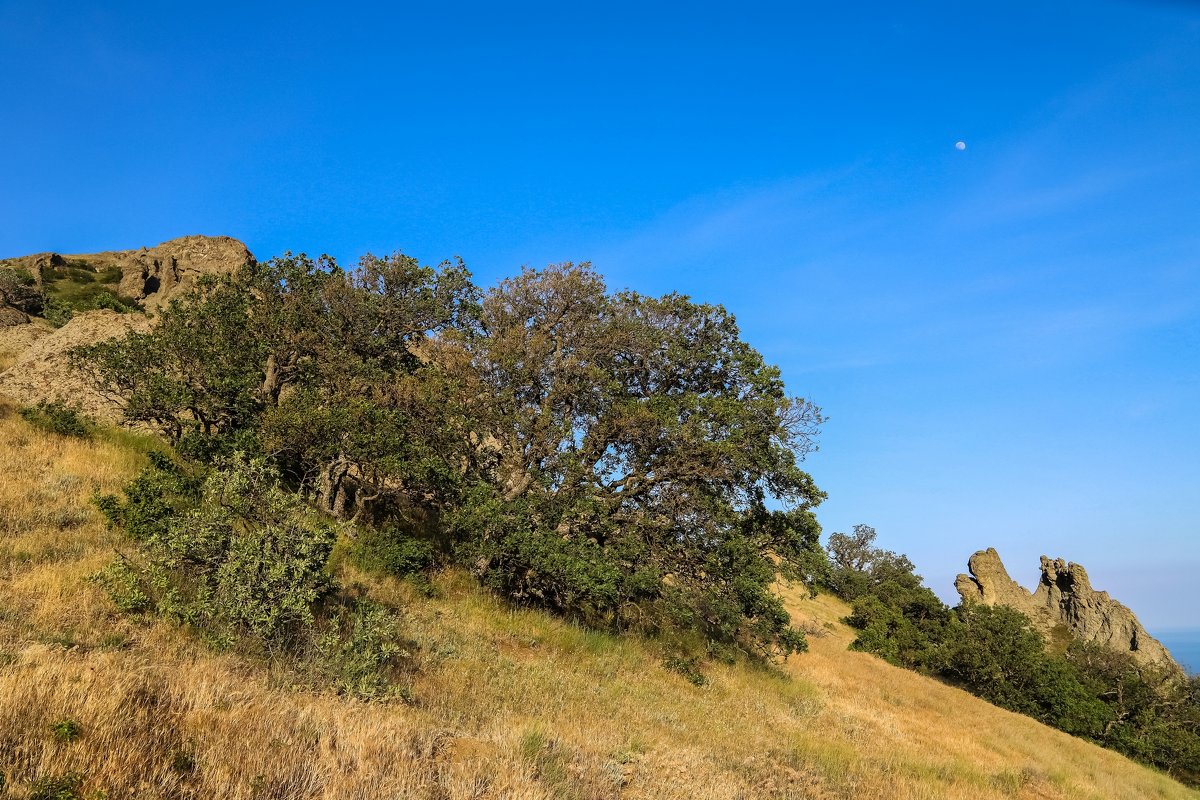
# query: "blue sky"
[[1006, 338]]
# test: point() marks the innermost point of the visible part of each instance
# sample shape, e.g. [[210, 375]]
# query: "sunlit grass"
[[507, 703]]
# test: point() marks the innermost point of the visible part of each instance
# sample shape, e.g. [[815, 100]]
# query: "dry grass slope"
[[507, 704]]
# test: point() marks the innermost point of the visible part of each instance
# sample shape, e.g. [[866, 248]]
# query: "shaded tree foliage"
[[995, 653], [635, 445], [623, 459], [318, 367]]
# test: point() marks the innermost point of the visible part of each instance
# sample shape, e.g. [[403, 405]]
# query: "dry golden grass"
[[508, 704]]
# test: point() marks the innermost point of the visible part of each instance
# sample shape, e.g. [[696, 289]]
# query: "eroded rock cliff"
[[150, 275], [37, 354], [1064, 597]]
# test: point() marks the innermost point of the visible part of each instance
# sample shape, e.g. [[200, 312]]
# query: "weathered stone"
[[151, 275], [19, 291], [1064, 597], [42, 369], [10, 316]]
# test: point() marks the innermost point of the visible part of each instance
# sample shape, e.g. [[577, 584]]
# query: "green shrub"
[[57, 787], [162, 492], [58, 418], [108, 300], [389, 552], [362, 653], [239, 558], [57, 312], [124, 586], [242, 561], [65, 730], [1081, 688], [183, 762]]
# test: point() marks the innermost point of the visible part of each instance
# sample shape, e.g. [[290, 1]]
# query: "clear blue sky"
[[1006, 338]]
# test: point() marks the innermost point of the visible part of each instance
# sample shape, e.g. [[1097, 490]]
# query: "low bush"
[[58, 418], [363, 654], [234, 556], [57, 787], [57, 312], [247, 562], [390, 552], [65, 730]]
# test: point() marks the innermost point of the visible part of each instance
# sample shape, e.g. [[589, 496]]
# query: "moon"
[[960, 145]]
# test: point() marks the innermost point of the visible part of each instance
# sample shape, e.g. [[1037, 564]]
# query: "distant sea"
[[1184, 644]]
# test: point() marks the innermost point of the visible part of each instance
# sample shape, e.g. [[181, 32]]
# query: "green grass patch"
[[57, 787], [78, 287], [58, 418], [550, 761]]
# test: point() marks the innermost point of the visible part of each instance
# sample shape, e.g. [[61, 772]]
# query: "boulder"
[[1064, 597], [10, 317]]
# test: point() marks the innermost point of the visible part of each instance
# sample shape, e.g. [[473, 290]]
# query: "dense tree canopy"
[[319, 367], [625, 459], [637, 443]]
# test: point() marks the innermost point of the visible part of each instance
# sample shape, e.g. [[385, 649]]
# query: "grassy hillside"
[[504, 703]]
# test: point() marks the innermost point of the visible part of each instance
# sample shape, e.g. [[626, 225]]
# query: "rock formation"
[[151, 275], [1064, 597], [154, 275], [11, 317], [43, 371]]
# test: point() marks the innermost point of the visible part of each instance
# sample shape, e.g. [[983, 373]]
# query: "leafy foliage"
[[857, 567], [65, 730], [319, 367], [626, 460], [995, 653], [390, 552], [247, 561], [632, 446], [362, 652]]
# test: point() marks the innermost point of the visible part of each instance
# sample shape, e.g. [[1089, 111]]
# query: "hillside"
[[504, 703]]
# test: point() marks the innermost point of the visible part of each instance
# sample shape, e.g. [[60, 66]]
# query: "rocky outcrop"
[[43, 372], [19, 297], [151, 275], [1064, 597], [10, 317]]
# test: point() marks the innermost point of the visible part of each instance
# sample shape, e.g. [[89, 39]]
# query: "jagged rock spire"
[[1064, 597]]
